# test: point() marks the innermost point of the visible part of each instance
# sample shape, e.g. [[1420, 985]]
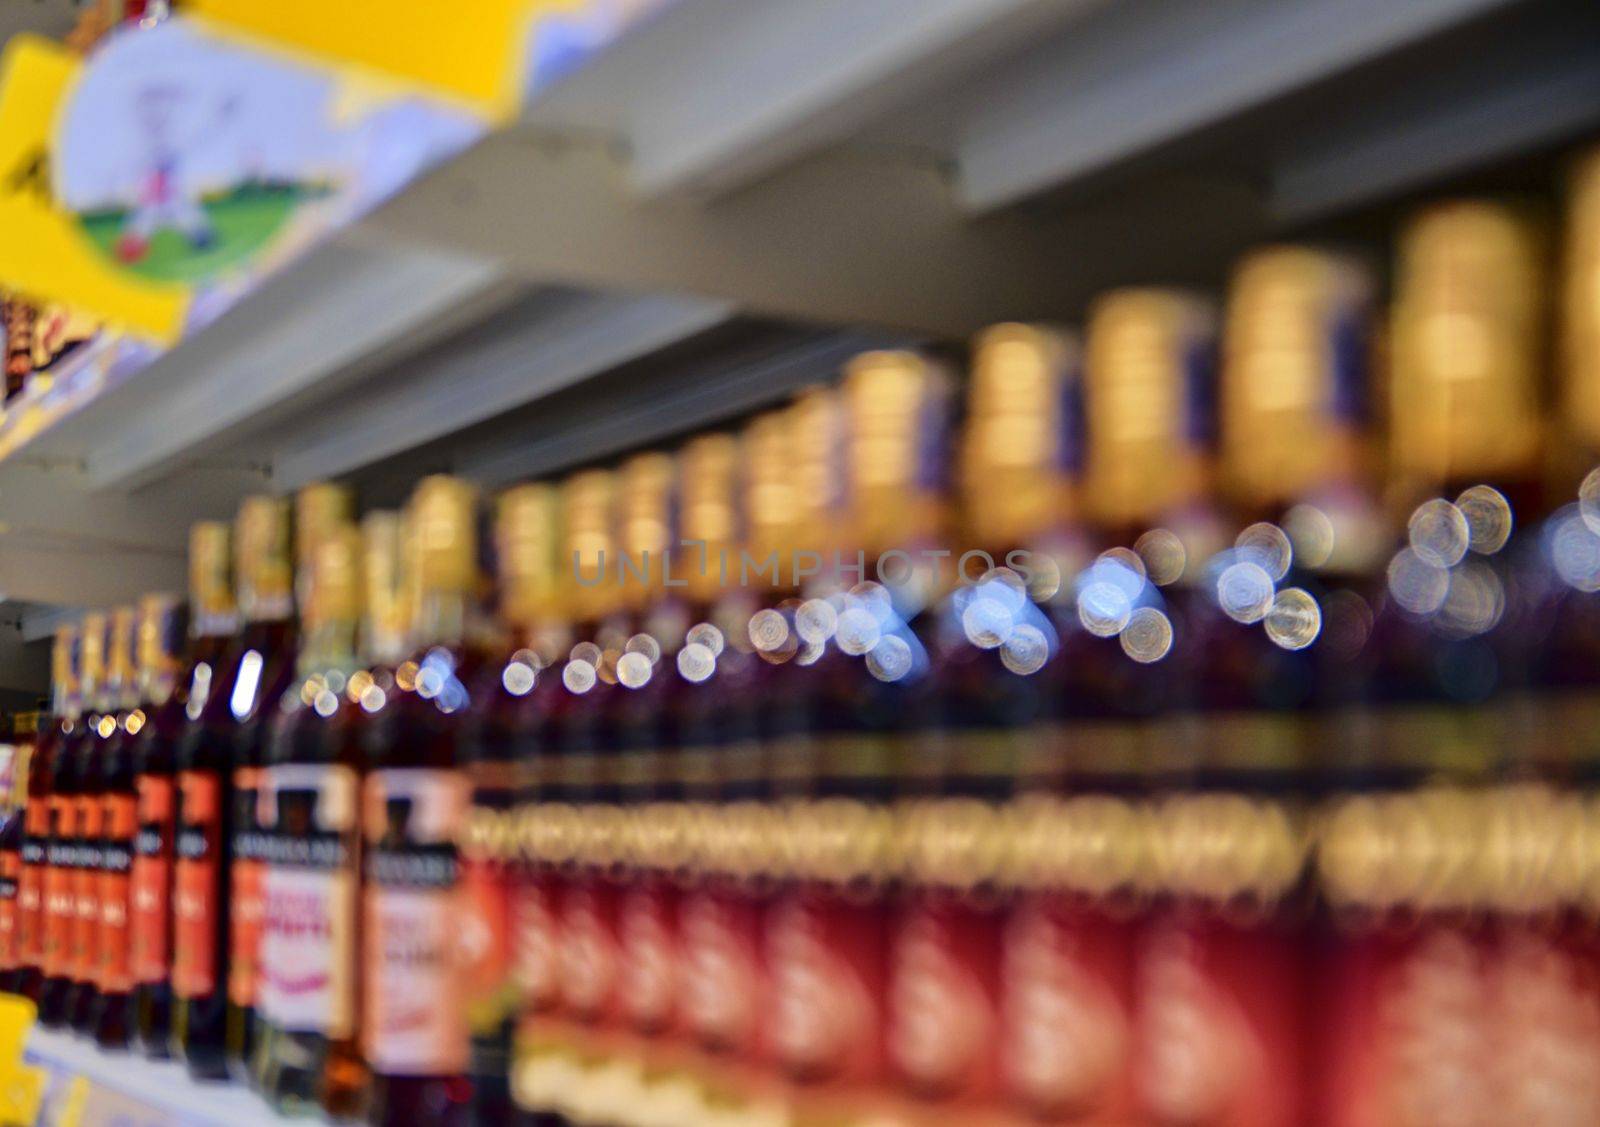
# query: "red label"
[[59, 904], [196, 884], [485, 941], [150, 898], [944, 996], [245, 901], [538, 946], [1066, 991], [826, 958], [723, 974], [590, 959], [85, 957], [647, 936], [10, 879], [119, 814], [30, 891]]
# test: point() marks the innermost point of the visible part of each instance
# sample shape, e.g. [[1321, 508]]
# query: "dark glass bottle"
[[90, 754], [61, 844], [111, 1016], [414, 1030], [36, 817], [203, 843], [163, 628], [306, 1058], [11, 835]]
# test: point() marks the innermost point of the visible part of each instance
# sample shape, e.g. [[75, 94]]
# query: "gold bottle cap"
[[816, 435], [1581, 306], [121, 682], [1147, 363], [897, 405], [263, 566], [387, 607], [65, 661], [645, 485], [318, 508], [770, 501], [1295, 355], [211, 575], [588, 548], [1464, 387], [1020, 449], [708, 467], [444, 516], [159, 650], [92, 657], [336, 573], [527, 539]]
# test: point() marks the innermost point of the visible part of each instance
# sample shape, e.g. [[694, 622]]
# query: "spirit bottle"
[[112, 1017]]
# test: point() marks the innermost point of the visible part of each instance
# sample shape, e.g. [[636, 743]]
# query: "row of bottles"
[[832, 769]]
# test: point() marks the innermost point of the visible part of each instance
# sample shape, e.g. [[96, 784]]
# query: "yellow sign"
[[44, 252], [474, 50], [21, 1085]]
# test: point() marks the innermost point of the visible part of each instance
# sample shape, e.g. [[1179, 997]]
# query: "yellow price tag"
[[21, 1085]]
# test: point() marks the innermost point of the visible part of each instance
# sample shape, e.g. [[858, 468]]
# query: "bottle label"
[[197, 884], [119, 817], [414, 1020], [307, 976], [721, 967], [60, 854], [485, 937], [590, 960], [943, 996], [537, 955], [86, 892], [30, 892], [10, 878], [151, 895], [826, 956], [647, 934], [245, 903]]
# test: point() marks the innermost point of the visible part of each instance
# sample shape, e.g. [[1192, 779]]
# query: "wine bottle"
[[37, 820], [112, 1014], [90, 755]]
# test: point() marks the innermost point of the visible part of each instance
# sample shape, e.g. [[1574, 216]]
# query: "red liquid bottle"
[[112, 1013], [265, 571], [11, 835], [87, 817], [164, 691], [56, 907], [414, 802], [36, 821], [306, 1054], [203, 844]]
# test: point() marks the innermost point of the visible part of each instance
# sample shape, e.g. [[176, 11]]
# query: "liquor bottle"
[[90, 756], [501, 764], [203, 779], [11, 835], [307, 1057], [265, 569], [56, 907], [414, 1030], [163, 692], [112, 1017], [37, 819]]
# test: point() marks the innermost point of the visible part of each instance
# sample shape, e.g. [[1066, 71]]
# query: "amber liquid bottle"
[[36, 821], [112, 1015], [90, 755], [306, 1052], [203, 842], [265, 573], [61, 844], [413, 1028], [163, 629]]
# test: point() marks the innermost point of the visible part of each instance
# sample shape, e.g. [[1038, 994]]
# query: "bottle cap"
[[897, 406], [1464, 387], [92, 657], [1020, 449], [708, 466], [588, 548], [816, 435], [263, 569], [387, 607], [318, 508], [1147, 373], [336, 572], [121, 682], [770, 490], [1295, 360], [65, 659], [1581, 306], [211, 576], [527, 538], [443, 513], [644, 524], [159, 649]]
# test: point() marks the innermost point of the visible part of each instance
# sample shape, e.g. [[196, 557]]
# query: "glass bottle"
[[37, 819], [90, 756], [307, 1058], [112, 1017], [163, 630], [11, 836], [415, 798], [57, 906]]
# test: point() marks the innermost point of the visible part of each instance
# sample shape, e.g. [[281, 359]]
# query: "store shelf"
[[737, 194], [128, 1089]]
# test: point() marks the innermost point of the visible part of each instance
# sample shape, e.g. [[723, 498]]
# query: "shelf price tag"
[[21, 1085]]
